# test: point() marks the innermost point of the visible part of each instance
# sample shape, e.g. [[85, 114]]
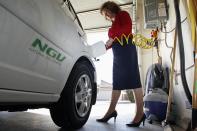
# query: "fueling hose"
[[143, 42], [137, 39], [182, 53]]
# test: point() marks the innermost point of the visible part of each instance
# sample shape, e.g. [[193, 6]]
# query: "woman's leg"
[[138, 95], [114, 99]]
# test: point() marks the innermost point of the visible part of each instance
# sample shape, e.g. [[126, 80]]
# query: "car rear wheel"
[[75, 104]]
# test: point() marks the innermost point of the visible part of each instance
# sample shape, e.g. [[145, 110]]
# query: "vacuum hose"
[[182, 53]]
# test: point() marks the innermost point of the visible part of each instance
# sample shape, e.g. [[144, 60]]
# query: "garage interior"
[[93, 22]]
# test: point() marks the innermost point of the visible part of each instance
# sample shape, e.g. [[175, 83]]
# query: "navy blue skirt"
[[125, 66]]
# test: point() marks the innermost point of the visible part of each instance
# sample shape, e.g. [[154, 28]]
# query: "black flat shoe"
[[105, 119], [138, 123]]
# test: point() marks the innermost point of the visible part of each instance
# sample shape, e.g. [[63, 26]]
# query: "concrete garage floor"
[[40, 120]]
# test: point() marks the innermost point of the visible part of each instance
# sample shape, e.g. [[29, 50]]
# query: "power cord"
[[165, 39], [167, 32]]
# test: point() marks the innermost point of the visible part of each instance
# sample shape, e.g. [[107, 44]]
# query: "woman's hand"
[[109, 43]]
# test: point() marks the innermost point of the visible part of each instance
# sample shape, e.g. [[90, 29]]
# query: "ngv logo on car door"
[[46, 51]]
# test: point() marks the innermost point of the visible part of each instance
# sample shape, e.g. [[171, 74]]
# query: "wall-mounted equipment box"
[[155, 12]]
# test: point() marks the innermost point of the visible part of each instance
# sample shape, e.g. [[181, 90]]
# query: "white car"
[[45, 61]]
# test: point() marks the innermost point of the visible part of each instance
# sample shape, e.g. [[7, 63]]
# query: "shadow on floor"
[[28, 121]]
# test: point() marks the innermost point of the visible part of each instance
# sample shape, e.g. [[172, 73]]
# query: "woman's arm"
[[109, 43]]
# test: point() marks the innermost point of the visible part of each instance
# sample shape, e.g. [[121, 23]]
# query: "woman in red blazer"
[[125, 62]]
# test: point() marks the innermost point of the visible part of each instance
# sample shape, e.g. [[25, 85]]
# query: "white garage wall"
[[180, 108], [182, 111], [147, 56]]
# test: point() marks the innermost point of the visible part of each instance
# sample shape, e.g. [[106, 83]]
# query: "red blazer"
[[121, 25]]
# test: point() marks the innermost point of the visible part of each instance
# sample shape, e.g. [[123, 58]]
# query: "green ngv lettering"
[[49, 51]]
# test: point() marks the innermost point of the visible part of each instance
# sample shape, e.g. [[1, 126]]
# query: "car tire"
[[58, 115], [74, 106]]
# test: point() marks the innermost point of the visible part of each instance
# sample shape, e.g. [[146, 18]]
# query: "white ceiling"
[[84, 5], [89, 13]]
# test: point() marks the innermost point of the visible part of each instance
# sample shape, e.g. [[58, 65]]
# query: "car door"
[[34, 54]]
